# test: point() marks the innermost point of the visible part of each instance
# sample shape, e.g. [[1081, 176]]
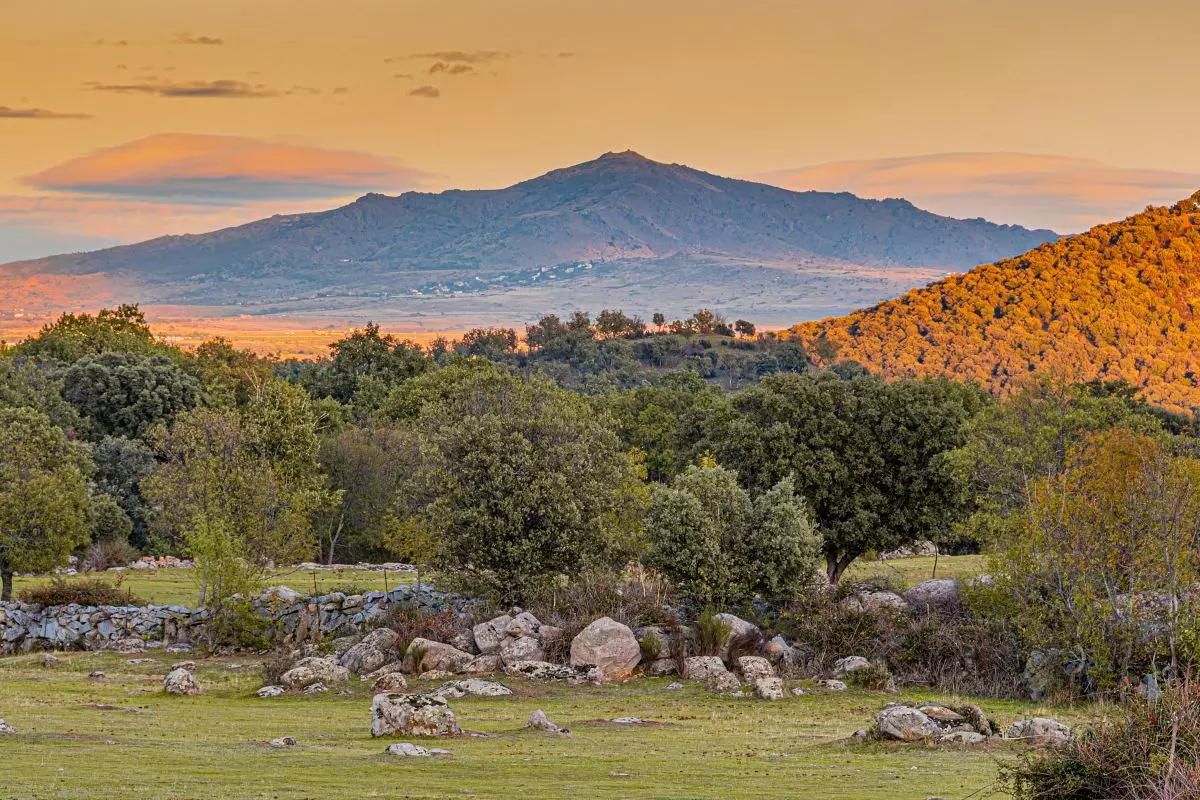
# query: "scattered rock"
[[962, 737], [50, 660], [844, 666], [938, 596], [491, 634], [607, 645], [832, 685], [283, 741], [377, 648], [543, 671], [538, 721], [390, 682], [129, 645], [521, 648], [434, 656], [435, 675], [271, 691], [723, 682], [798, 692], [178, 647], [975, 717], [190, 666], [136, 661], [1039, 729], [181, 682], [906, 723], [941, 713], [412, 715], [6, 729], [769, 689], [873, 600], [662, 667], [700, 668], [628, 721], [98, 675], [313, 669], [315, 688], [483, 665], [754, 667], [414, 750], [523, 624], [471, 687]]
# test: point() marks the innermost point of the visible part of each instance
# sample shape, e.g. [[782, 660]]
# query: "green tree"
[[107, 521], [661, 420], [73, 336], [121, 466], [126, 394], [745, 328], [366, 353], [43, 495], [26, 383]]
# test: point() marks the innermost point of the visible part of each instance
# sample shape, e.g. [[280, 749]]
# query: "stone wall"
[[28, 626]]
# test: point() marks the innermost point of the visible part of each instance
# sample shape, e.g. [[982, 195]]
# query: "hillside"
[[1117, 302], [619, 208]]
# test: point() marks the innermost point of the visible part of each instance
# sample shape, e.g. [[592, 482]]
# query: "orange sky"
[[481, 93]]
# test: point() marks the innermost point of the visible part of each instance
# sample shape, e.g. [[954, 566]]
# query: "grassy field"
[[911, 571], [178, 586], [73, 743]]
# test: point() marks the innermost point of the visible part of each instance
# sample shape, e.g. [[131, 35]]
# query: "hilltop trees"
[[126, 394]]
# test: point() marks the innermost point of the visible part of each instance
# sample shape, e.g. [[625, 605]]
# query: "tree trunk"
[[836, 563], [7, 580]]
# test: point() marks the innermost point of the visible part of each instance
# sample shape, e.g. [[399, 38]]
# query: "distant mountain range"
[[1120, 301], [622, 212]]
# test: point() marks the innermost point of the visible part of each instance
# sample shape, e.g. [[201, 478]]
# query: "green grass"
[[178, 586], [213, 746], [911, 571]]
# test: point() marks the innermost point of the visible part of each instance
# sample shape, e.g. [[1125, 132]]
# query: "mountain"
[[619, 208], [1118, 302]]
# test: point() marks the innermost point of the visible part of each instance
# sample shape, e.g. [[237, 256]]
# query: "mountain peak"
[[631, 156]]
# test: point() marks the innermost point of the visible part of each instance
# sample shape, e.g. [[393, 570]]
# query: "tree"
[[745, 328], [230, 377], [121, 466], [73, 336], [705, 534], [659, 320], [366, 353], [107, 521], [867, 455], [126, 394], [660, 420], [26, 383], [492, 343], [519, 480], [43, 495]]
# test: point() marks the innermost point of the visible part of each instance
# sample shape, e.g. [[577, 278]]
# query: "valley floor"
[[121, 737]]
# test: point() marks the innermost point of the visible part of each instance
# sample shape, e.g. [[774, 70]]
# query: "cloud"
[[459, 56], [220, 88], [194, 168], [187, 38], [431, 92], [37, 113], [1038, 191], [451, 69]]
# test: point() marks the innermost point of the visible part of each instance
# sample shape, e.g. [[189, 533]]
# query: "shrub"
[[651, 645], [83, 591], [875, 678], [1150, 752], [276, 663], [106, 554], [236, 624], [711, 633], [410, 623]]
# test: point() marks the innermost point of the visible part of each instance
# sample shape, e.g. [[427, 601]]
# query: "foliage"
[[411, 622], [1111, 303], [875, 678], [707, 535], [125, 394], [225, 564], [866, 454], [121, 466], [711, 632], [43, 495], [1149, 751], [85, 592], [365, 354], [26, 383], [231, 377], [107, 521], [73, 336], [109, 553]]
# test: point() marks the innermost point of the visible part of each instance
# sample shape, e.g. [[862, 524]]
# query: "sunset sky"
[[128, 119]]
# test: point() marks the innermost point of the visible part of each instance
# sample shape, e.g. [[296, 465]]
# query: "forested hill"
[[1117, 302]]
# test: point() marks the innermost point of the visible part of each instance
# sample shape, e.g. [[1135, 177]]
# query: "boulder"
[[844, 666], [874, 600], [181, 682], [543, 671], [754, 667], [435, 675], [699, 668], [973, 715], [411, 715], [281, 595], [521, 648], [938, 596], [831, 685], [315, 688], [768, 688], [661, 642], [342, 644], [6, 729], [523, 624], [314, 669], [129, 646], [962, 737], [739, 630], [464, 641], [377, 648], [434, 656], [786, 658], [1043, 674], [538, 721], [662, 667], [390, 682], [271, 691], [394, 666], [473, 687], [1039, 729], [283, 741], [723, 682], [491, 634], [607, 645], [906, 724], [483, 665]]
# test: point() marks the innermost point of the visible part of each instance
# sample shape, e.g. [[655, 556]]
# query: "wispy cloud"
[[1038, 191], [218, 88], [37, 113], [459, 56], [451, 69], [430, 92], [206, 169], [187, 38]]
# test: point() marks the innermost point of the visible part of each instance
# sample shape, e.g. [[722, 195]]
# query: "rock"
[[975, 717], [941, 714], [523, 624], [474, 687], [465, 641], [906, 724], [136, 661], [844, 666], [435, 675], [754, 667], [491, 634], [271, 691], [739, 630], [50, 660], [628, 721], [521, 648], [938, 596], [6, 729], [129, 646], [674, 686], [283, 741], [1043, 674], [190, 666], [660, 642], [390, 682], [342, 645], [607, 645], [483, 665], [723, 682], [769, 688], [314, 669], [395, 666], [923, 548], [281, 595], [798, 692], [181, 682], [699, 668], [662, 667], [874, 600], [962, 737], [832, 685], [179, 647], [785, 658], [538, 721], [98, 675], [543, 671], [411, 715], [1039, 729], [377, 648], [315, 688], [414, 750], [434, 656]]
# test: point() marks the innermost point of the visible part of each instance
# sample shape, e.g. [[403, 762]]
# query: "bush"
[[236, 624], [412, 623], [711, 633], [875, 678], [83, 591], [1150, 752], [108, 554], [276, 663]]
